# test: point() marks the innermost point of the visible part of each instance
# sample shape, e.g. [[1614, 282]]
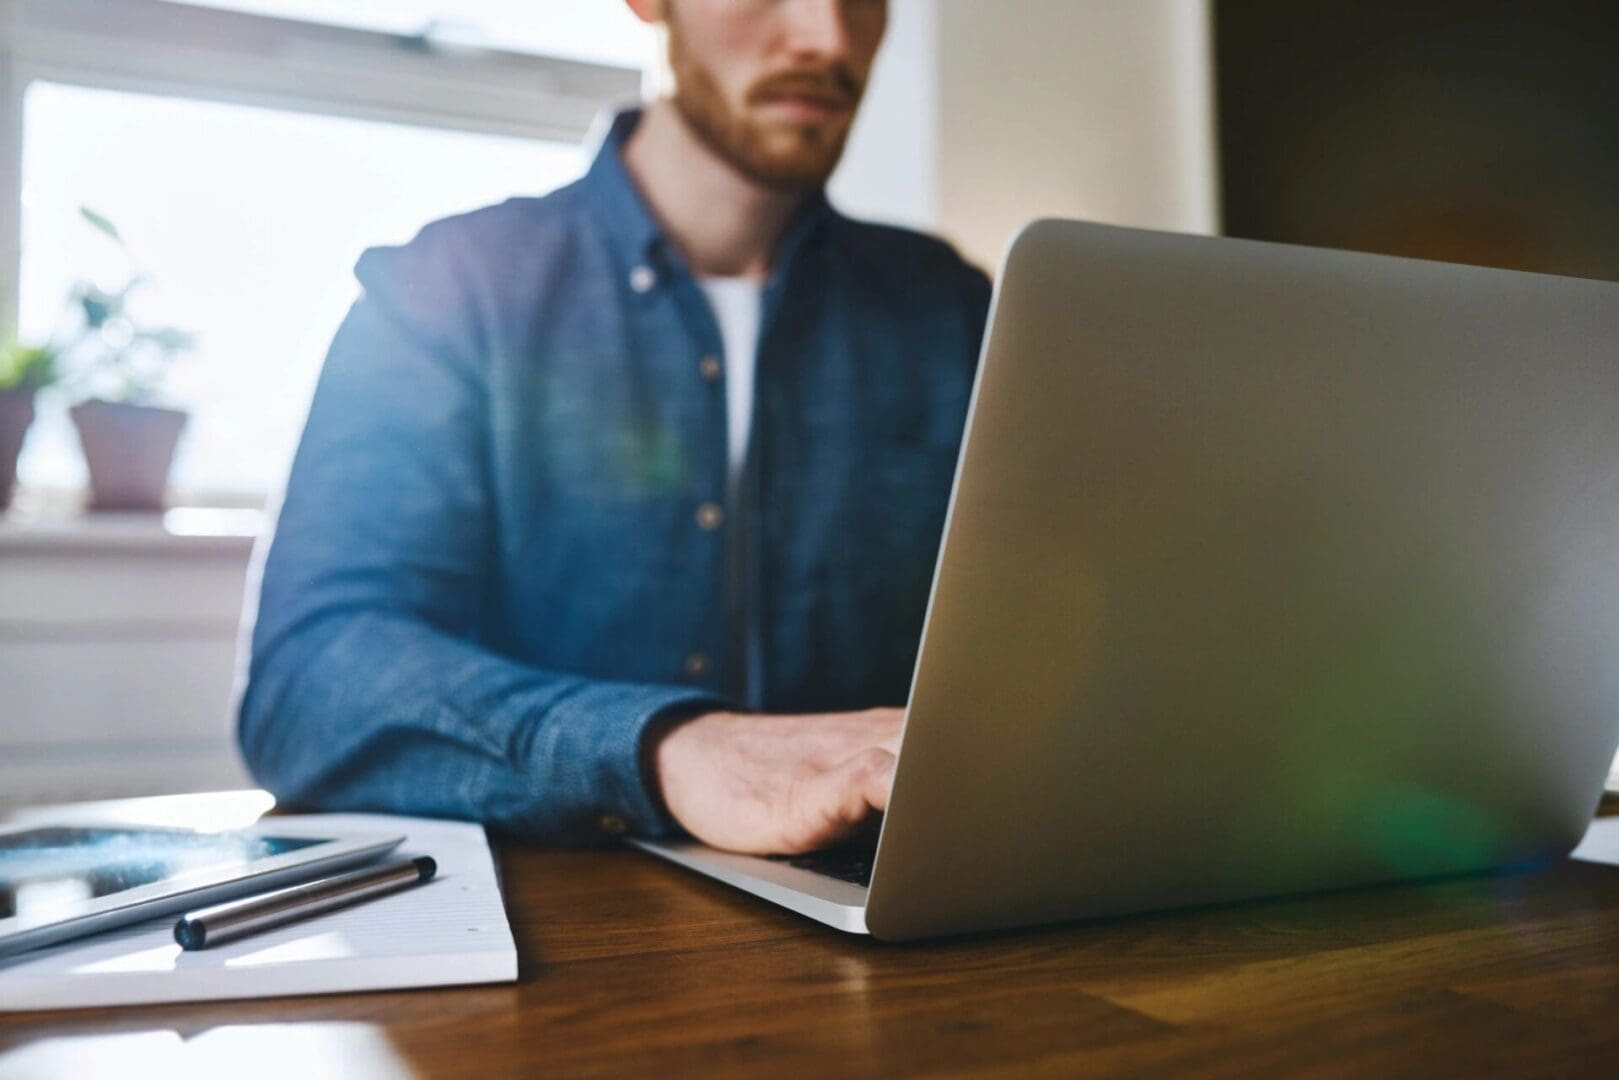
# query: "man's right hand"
[[769, 785]]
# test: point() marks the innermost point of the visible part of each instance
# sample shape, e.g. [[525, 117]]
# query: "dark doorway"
[[1480, 131]]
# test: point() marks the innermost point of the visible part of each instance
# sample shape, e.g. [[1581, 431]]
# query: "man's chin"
[[797, 158], [790, 175], [773, 150]]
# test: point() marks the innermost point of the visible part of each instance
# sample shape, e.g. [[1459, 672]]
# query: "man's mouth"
[[808, 98], [806, 108]]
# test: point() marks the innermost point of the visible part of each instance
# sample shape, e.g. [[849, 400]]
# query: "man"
[[617, 509]]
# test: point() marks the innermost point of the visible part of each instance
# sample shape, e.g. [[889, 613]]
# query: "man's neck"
[[725, 224]]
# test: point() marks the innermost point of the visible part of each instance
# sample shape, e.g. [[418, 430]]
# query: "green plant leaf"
[[27, 367], [168, 339], [97, 308], [102, 224]]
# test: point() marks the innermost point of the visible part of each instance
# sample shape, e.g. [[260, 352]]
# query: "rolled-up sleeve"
[[368, 686]]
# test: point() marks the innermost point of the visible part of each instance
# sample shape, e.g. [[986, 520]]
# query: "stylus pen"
[[238, 918]]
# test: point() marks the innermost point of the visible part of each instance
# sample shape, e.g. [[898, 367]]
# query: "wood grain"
[[633, 966]]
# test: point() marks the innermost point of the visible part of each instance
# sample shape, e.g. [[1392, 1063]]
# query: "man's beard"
[[789, 157]]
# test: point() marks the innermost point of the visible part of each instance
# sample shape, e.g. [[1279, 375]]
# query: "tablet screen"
[[52, 871]]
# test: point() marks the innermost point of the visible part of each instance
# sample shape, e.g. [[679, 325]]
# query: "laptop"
[[1267, 570]]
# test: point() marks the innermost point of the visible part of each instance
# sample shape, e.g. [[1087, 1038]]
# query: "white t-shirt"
[[736, 303]]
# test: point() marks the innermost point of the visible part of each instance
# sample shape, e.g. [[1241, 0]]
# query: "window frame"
[[241, 58]]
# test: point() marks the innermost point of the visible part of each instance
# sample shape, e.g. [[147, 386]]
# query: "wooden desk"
[[630, 965]]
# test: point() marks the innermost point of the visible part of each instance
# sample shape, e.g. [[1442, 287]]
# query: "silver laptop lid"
[[1267, 569]]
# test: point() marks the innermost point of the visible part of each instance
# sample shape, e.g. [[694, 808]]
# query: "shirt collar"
[[631, 222]]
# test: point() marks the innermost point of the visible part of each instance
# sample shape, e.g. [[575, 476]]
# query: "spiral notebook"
[[450, 931]]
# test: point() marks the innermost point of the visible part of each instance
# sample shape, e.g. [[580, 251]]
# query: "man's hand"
[[770, 785]]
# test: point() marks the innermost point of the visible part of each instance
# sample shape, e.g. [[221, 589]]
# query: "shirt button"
[[642, 278], [613, 824], [710, 516], [696, 665], [710, 368]]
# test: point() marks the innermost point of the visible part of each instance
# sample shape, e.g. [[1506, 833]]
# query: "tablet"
[[61, 880]]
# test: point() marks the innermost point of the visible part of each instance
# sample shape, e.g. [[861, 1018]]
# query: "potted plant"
[[24, 370], [120, 364]]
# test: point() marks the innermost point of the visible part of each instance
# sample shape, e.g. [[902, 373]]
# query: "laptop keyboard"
[[851, 863]]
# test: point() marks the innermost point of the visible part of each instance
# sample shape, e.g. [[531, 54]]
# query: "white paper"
[[452, 930], [1601, 843]]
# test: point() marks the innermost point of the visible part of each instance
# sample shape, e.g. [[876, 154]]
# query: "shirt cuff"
[[613, 719]]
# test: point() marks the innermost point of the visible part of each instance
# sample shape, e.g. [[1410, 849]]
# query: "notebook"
[[450, 931], [1601, 842]]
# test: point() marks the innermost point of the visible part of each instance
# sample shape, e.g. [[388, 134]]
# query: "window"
[[603, 31], [249, 159], [248, 222]]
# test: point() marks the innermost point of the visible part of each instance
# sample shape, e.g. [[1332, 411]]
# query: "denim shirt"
[[505, 545]]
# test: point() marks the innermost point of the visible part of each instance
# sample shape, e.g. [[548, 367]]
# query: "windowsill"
[[55, 522]]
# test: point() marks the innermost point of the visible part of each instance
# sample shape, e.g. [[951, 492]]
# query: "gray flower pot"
[[129, 449], [16, 413]]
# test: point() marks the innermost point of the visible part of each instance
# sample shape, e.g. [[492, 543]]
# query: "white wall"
[[982, 116], [1094, 109], [117, 641], [890, 169]]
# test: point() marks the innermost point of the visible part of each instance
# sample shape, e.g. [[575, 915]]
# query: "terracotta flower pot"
[[129, 449], [16, 413]]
